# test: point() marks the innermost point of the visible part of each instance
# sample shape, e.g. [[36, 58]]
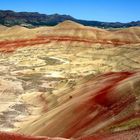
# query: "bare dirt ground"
[[39, 68]]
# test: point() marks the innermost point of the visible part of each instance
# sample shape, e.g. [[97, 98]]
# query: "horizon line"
[[67, 15]]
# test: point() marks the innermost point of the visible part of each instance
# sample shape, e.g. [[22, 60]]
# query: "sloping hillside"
[[69, 81]]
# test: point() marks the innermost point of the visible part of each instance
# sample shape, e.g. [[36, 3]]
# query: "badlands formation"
[[69, 82]]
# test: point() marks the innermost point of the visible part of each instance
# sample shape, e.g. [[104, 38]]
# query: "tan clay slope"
[[15, 32], [105, 104], [129, 35], [69, 28], [72, 29], [69, 24], [56, 58], [13, 38]]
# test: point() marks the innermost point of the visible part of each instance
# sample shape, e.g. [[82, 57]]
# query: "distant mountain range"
[[35, 19]]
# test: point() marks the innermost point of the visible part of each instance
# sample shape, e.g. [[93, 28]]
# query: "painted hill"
[[104, 105], [69, 81], [69, 24], [68, 32]]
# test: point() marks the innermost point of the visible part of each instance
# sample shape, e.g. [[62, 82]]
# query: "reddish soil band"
[[14, 136], [10, 46], [107, 108]]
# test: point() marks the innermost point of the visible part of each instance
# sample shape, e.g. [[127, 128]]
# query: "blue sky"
[[101, 10]]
